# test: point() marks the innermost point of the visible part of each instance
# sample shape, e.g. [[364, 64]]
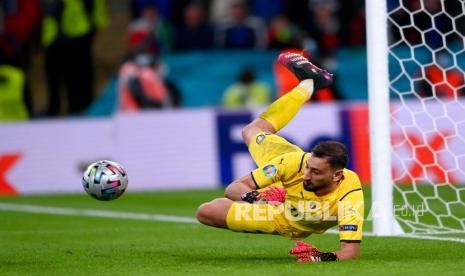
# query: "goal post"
[[384, 222], [416, 83]]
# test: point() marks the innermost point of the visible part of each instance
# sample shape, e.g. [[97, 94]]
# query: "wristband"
[[325, 257], [250, 197]]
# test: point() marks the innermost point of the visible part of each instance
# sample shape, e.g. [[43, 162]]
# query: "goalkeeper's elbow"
[[229, 192]]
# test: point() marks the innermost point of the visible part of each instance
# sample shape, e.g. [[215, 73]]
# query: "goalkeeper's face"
[[319, 174]]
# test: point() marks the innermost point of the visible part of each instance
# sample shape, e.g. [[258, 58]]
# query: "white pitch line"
[[409, 236], [432, 238], [92, 213], [155, 217]]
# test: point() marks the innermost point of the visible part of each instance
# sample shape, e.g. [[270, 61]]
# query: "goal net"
[[425, 121]]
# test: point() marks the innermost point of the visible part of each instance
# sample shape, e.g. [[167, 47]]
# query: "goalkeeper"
[[293, 193]]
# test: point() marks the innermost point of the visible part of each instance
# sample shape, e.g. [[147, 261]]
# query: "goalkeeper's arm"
[[308, 253], [239, 187]]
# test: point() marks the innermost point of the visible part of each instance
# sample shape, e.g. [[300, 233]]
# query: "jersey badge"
[[260, 138], [270, 170]]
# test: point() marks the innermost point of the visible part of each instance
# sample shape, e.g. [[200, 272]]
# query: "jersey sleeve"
[[266, 175], [284, 169], [350, 216]]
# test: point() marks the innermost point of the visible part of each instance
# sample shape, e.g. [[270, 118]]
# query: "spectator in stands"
[[141, 85], [168, 10], [299, 13], [241, 30], [67, 35], [195, 33], [19, 34], [326, 25], [219, 9], [150, 33], [352, 22], [268, 9], [283, 33], [179, 7], [12, 81], [164, 7], [247, 92]]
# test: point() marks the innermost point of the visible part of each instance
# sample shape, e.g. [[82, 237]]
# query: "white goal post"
[[416, 91], [380, 143]]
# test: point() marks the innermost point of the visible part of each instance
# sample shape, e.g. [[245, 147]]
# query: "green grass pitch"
[[46, 244]]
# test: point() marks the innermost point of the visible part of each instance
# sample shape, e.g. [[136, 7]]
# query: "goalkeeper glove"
[[272, 195], [308, 253]]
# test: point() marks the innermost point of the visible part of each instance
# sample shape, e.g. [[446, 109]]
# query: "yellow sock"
[[280, 112]]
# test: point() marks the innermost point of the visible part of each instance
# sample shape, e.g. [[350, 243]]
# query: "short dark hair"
[[335, 152]]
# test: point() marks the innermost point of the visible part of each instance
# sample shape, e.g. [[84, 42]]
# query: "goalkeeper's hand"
[[308, 253], [272, 195]]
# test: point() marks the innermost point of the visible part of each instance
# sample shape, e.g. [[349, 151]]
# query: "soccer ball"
[[105, 180]]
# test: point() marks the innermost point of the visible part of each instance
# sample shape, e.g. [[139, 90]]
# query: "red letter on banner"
[[6, 163]]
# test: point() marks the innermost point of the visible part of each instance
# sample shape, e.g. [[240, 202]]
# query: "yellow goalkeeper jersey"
[[305, 210]]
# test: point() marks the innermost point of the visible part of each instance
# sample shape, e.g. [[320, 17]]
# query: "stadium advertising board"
[[159, 150]]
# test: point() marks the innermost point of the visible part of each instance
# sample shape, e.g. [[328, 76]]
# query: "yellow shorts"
[[265, 147], [262, 218]]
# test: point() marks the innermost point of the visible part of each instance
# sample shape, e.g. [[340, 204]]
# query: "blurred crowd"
[[318, 27], [64, 31]]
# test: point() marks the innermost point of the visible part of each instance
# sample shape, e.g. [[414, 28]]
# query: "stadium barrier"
[[202, 148]]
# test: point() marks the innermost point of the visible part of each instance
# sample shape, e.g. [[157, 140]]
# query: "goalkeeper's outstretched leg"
[[280, 112]]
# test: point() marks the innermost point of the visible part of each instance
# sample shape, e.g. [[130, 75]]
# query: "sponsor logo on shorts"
[[260, 138], [348, 227], [270, 170]]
